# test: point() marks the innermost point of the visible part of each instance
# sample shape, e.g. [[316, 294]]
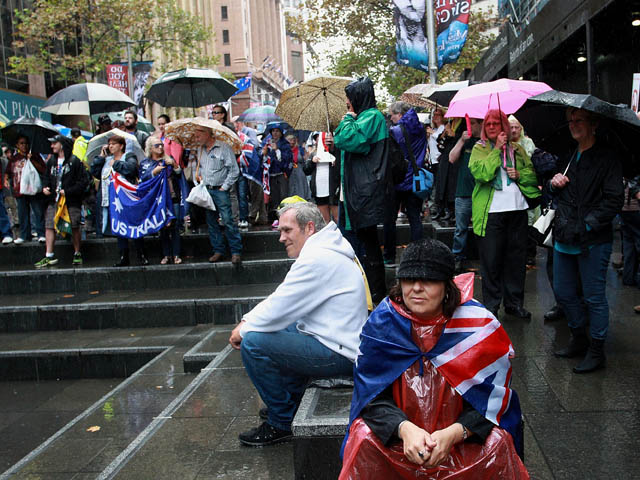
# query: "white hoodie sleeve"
[[294, 299]]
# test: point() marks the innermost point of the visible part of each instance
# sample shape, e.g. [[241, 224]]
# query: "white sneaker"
[[243, 224], [18, 241], [7, 240], [42, 239]]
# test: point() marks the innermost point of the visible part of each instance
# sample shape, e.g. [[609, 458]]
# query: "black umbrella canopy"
[[191, 88], [36, 130], [544, 118], [87, 99]]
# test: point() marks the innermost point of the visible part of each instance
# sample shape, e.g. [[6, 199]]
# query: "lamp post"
[[431, 41]]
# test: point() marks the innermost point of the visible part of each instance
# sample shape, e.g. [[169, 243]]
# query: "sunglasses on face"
[[158, 145], [218, 113]]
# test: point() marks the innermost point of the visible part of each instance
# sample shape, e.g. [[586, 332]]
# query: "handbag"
[[200, 196], [30, 182], [542, 230], [422, 181]]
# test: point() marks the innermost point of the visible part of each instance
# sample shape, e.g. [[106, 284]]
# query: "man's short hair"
[[305, 212], [75, 132], [132, 112], [399, 107]]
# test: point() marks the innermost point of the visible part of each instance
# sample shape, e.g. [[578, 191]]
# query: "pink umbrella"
[[503, 94]]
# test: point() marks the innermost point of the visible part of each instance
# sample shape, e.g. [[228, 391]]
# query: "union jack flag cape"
[[472, 354]]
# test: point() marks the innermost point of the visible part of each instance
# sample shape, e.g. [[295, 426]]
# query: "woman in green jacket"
[[505, 181]]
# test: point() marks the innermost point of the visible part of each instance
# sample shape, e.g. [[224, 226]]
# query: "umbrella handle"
[[326, 102]]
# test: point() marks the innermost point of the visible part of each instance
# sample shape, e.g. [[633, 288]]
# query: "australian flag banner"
[[138, 210], [473, 354], [242, 84], [452, 25]]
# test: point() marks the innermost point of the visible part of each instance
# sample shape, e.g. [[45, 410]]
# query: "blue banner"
[[452, 25], [138, 210], [411, 40]]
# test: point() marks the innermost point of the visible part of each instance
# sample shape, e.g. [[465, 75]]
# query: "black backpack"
[[399, 164]]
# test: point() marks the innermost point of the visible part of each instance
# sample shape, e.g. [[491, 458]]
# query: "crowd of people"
[[485, 173]]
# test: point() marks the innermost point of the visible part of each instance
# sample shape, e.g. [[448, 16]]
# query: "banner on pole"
[[411, 39], [117, 77], [452, 26]]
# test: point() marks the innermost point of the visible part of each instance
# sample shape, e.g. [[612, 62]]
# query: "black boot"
[[556, 313], [447, 215], [142, 259], [594, 359], [578, 344], [124, 259]]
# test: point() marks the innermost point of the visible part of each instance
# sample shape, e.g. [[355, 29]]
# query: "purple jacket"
[[416, 132]]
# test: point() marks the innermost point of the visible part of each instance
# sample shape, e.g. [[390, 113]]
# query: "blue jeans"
[[280, 364], [26, 205], [222, 200], [463, 217], [591, 270], [5, 223], [242, 188]]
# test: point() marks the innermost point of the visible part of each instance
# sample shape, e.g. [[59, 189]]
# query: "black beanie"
[[427, 259]]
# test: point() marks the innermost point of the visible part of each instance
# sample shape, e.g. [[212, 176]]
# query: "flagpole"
[[431, 41]]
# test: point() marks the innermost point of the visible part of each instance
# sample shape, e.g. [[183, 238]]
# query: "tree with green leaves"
[[76, 39], [367, 31]]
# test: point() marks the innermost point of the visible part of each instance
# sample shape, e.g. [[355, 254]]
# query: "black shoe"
[[594, 359], [459, 266], [263, 435], [494, 310], [143, 260], [556, 313], [447, 215], [435, 214], [263, 413], [124, 261], [518, 312], [578, 344]]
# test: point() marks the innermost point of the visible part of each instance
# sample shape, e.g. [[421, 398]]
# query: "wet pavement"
[[165, 423]]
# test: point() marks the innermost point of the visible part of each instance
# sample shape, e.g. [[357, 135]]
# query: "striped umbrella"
[[87, 99], [262, 114]]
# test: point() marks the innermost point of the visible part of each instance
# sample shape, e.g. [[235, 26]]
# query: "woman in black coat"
[[588, 196]]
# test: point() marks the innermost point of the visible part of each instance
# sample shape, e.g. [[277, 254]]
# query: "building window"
[[225, 36], [223, 13], [227, 59]]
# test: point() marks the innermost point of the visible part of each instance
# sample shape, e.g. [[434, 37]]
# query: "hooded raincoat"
[[364, 167], [418, 136]]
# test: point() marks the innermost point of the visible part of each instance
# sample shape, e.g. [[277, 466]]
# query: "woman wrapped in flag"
[[432, 396]]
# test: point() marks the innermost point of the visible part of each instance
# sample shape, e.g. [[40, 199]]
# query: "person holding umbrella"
[[28, 205], [64, 177], [589, 194], [277, 152], [505, 179]]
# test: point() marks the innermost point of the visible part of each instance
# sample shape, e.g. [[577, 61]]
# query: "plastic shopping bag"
[[200, 196], [30, 182]]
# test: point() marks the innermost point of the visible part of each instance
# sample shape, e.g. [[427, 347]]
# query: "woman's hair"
[[495, 113], [119, 140], [226, 114], [449, 304], [399, 107], [165, 116], [593, 117], [149, 145]]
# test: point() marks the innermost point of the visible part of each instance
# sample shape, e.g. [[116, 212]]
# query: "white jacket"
[[323, 292]]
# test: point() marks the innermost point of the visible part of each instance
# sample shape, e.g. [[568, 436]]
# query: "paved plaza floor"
[[166, 423]]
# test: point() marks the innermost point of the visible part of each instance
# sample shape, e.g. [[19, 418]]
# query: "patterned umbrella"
[[87, 99], [317, 104], [183, 131], [417, 94], [262, 114]]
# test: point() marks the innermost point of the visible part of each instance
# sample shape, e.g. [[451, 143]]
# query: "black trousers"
[[503, 257], [372, 262]]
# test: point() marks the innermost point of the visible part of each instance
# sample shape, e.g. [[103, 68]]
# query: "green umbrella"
[[190, 87]]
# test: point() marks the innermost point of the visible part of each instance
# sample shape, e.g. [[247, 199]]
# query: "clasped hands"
[[423, 448]]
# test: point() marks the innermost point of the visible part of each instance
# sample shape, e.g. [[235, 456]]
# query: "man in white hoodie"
[[309, 327]]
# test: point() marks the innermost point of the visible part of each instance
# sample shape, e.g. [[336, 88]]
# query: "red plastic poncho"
[[432, 404]]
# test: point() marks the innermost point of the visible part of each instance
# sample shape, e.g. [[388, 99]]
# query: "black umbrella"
[[36, 130], [87, 99], [445, 92], [544, 120], [190, 87]]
